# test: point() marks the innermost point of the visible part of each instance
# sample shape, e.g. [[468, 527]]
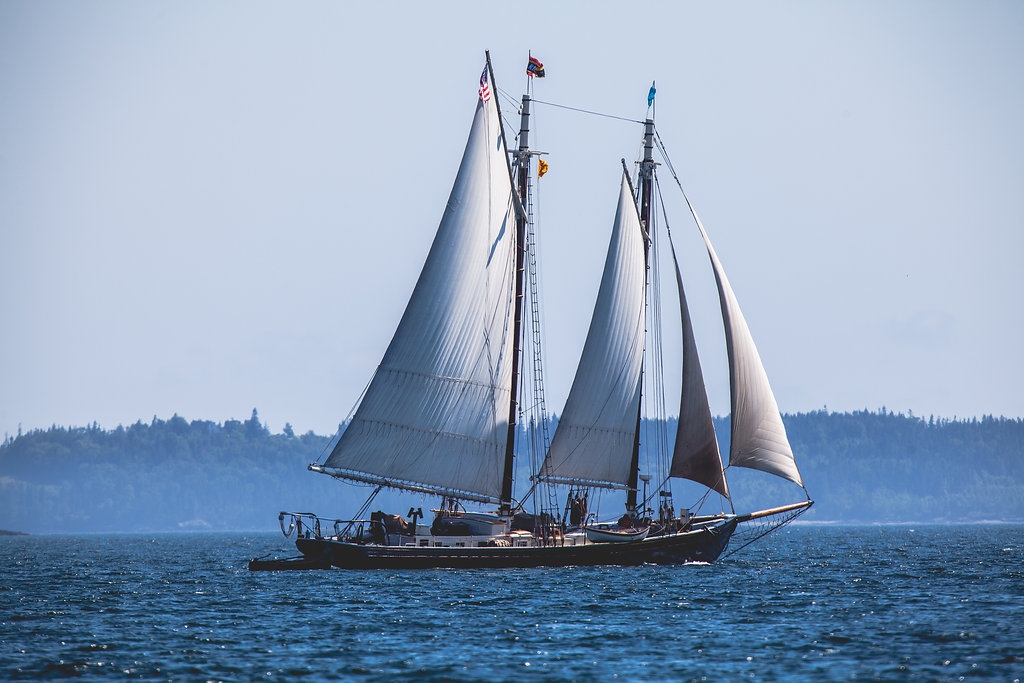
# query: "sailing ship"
[[445, 412]]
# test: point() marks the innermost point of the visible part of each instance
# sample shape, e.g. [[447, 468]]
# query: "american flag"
[[485, 89]]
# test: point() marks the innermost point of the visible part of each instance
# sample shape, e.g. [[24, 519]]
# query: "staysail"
[[696, 456], [435, 415], [593, 442], [758, 438]]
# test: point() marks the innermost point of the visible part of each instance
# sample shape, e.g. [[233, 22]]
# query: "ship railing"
[[310, 525]]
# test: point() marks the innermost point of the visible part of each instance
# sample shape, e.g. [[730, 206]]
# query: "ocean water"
[[809, 603]]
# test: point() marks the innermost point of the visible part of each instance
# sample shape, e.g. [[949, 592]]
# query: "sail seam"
[[443, 378]]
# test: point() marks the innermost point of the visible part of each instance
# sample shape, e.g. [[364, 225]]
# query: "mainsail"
[[594, 439], [435, 415]]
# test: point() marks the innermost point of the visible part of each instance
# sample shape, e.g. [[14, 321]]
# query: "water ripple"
[[810, 603]]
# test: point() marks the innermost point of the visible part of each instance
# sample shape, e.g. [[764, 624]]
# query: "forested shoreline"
[[175, 474]]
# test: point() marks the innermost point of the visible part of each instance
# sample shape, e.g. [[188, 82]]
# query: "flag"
[[650, 95], [542, 168], [535, 68], [485, 89]]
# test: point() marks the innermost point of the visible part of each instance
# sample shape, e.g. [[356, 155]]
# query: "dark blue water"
[[808, 603]]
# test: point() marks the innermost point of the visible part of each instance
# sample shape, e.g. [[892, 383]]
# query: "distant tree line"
[[163, 476], [179, 475], [880, 466]]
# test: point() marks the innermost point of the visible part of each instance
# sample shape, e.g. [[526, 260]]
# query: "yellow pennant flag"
[[542, 168]]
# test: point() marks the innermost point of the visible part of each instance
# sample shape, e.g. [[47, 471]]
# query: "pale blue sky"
[[206, 207]]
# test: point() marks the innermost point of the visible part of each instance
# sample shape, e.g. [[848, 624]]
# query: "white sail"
[[696, 455], [758, 438], [435, 415], [593, 442]]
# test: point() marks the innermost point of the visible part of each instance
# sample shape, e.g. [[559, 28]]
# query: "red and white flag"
[[485, 88]]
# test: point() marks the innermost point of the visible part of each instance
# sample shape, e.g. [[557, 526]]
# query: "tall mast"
[[646, 192], [647, 175], [522, 158]]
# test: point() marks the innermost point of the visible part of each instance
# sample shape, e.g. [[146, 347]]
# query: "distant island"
[[180, 475]]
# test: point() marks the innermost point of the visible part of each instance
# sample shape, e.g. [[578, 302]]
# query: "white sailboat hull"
[[616, 534]]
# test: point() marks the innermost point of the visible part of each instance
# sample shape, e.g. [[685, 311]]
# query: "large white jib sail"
[[758, 437]]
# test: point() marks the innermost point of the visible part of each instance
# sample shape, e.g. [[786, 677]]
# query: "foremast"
[[522, 160]]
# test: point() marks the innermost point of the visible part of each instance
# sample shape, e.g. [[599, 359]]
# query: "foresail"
[[696, 455], [758, 438], [593, 442], [435, 416]]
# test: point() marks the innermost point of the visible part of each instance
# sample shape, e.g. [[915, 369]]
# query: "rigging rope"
[[587, 111], [668, 162], [656, 442], [754, 530], [515, 106]]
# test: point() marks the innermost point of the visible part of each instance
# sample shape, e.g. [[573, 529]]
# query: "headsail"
[[696, 456], [435, 416], [593, 442], [758, 438]]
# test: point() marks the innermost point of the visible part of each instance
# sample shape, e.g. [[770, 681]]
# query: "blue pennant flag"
[[650, 95]]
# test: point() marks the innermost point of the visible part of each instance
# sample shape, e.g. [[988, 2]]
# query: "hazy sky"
[[210, 207]]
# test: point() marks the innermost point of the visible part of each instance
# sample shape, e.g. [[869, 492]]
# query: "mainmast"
[[646, 192], [522, 160]]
